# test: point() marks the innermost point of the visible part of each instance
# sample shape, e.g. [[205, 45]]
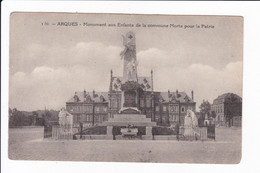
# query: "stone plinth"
[[130, 119], [149, 135], [109, 132], [149, 131], [145, 137]]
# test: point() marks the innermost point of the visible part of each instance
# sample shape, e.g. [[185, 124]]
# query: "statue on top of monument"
[[129, 57]]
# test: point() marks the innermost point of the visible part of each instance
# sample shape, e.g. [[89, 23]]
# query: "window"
[[114, 103], [89, 109], [142, 103], [174, 117], [83, 118], [97, 109], [100, 108], [182, 109], [105, 109], [88, 118], [157, 108], [148, 103], [173, 108], [164, 108], [170, 117]]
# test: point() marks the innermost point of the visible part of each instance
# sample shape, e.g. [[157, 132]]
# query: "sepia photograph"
[[125, 87]]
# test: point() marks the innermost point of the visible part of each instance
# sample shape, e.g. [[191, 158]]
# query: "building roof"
[[83, 96], [100, 97], [145, 82], [228, 98], [172, 97]]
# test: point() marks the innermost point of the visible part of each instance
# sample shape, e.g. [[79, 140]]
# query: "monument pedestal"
[[137, 120], [149, 135], [129, 114], [109, 132]]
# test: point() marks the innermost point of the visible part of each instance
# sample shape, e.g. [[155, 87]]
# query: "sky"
[[48, 63]]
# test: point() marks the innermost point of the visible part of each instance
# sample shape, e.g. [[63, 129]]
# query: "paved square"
[[28, 144]]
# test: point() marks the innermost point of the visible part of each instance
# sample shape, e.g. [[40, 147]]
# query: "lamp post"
[[179, 110]]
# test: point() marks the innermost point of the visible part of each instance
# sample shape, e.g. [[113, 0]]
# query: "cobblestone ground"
[[28, 144]]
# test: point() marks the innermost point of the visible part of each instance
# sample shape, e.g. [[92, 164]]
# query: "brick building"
[[228, 109], [88, 107], [165, 108]]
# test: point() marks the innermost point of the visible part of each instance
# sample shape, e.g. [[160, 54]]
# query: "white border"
[[251, 88]]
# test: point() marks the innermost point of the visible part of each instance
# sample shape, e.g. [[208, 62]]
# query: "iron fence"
[[196, 133], [59, 132]]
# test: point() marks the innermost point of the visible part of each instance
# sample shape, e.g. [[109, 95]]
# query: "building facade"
[[228, 109], [165, 108], [88, 107]]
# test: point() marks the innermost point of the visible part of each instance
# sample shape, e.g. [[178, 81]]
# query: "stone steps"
[[134, 123], [129, 120]]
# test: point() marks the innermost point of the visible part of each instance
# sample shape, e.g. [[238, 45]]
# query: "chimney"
[[177, 94], [192, 96], [169, 93], [85, 93]]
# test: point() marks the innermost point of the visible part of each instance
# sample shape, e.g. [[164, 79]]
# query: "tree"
[[205, 107], [17, 118], [35, 113], [10, 112], [213, 114]]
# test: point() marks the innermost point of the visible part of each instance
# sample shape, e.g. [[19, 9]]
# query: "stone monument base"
[[137, 120]]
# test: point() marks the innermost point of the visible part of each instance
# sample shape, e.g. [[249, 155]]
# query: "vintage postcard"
[[125, 88]]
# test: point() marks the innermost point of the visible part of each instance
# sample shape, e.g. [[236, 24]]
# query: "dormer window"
[[87, 99], [101, 98], [76, 98]]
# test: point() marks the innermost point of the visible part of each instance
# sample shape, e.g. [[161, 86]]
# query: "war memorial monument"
[[131, 108], [112, 93], [129, 114]]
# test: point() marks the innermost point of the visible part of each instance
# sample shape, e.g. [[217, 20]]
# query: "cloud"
[[180, 70], [56, 73], [206, 81], [90, 54], [53, 87]]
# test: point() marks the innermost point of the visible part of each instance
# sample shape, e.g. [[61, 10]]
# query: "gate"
[[211, 131], [193, 133], [63, 132]]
